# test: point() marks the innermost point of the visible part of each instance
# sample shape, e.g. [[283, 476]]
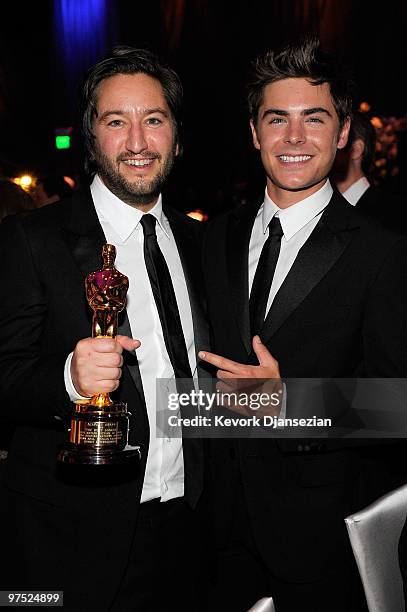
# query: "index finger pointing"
[[222, 363]]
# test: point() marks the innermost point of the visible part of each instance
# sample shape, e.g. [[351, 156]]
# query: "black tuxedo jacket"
[[45, 257], [389, 209], [341, 312]]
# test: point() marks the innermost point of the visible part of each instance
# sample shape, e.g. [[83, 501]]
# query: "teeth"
[[138, 162], [292, 159]]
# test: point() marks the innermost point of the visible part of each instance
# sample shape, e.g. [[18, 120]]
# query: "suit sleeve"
[[385, 321], [31, 378], [384, 335]]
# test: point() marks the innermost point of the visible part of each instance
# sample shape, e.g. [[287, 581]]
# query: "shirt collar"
[[120, 216], [356, 190], [295, 217]]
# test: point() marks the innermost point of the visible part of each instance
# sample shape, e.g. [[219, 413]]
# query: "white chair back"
[[374, 533], [263, 605]]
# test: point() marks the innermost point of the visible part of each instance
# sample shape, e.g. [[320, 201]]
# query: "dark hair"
[[362, 128], [303, 60], [55, 185], [13, 199], [127, 60]]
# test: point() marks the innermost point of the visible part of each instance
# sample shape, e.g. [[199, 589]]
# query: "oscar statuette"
[[99, 427]]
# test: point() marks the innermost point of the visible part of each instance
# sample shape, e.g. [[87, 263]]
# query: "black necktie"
[[165, 300], [264, 276]]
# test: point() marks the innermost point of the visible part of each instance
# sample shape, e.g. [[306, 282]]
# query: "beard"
[[141, 191]]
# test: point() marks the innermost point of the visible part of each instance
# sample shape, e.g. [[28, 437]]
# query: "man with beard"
[[106, 545]]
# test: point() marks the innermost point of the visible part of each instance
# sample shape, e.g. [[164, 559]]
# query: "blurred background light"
[[63, 142], [25, 181], [198, 215], [83, 31]]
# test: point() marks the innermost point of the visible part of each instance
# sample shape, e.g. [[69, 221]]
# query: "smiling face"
[[297, 133], [134, 138]]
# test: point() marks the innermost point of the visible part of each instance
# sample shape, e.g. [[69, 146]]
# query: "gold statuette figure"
[[99, 427]]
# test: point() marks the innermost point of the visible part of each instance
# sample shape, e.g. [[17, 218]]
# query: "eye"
[[153, 121], [314, 120], [277, 120], [115, 123]]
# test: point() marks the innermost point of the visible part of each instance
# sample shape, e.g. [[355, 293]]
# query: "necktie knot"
[[275, 228], [148, 223]]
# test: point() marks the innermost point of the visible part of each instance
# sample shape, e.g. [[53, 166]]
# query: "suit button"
[[300, 448], [232, 453], [318, 447]]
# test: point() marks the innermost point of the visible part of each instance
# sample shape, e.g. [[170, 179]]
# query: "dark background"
[[210, 43]]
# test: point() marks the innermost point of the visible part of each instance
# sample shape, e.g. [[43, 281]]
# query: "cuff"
[[69, 386]]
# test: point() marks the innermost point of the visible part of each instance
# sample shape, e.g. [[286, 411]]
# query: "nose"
[[295, 133], [136, 141]]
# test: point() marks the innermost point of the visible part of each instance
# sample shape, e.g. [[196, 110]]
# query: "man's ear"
[[254, 135], [357, 149], [344, 134]]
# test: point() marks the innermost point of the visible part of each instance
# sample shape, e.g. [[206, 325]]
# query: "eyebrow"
[[145, 112], [305, 113]]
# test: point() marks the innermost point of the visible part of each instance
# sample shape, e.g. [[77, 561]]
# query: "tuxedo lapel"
[[83, 234], [130, 357], [238, 239], [314, 260], [189, 253]]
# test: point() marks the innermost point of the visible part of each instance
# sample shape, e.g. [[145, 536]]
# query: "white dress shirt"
[[297, 222], [164, 477], [356, 190]]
